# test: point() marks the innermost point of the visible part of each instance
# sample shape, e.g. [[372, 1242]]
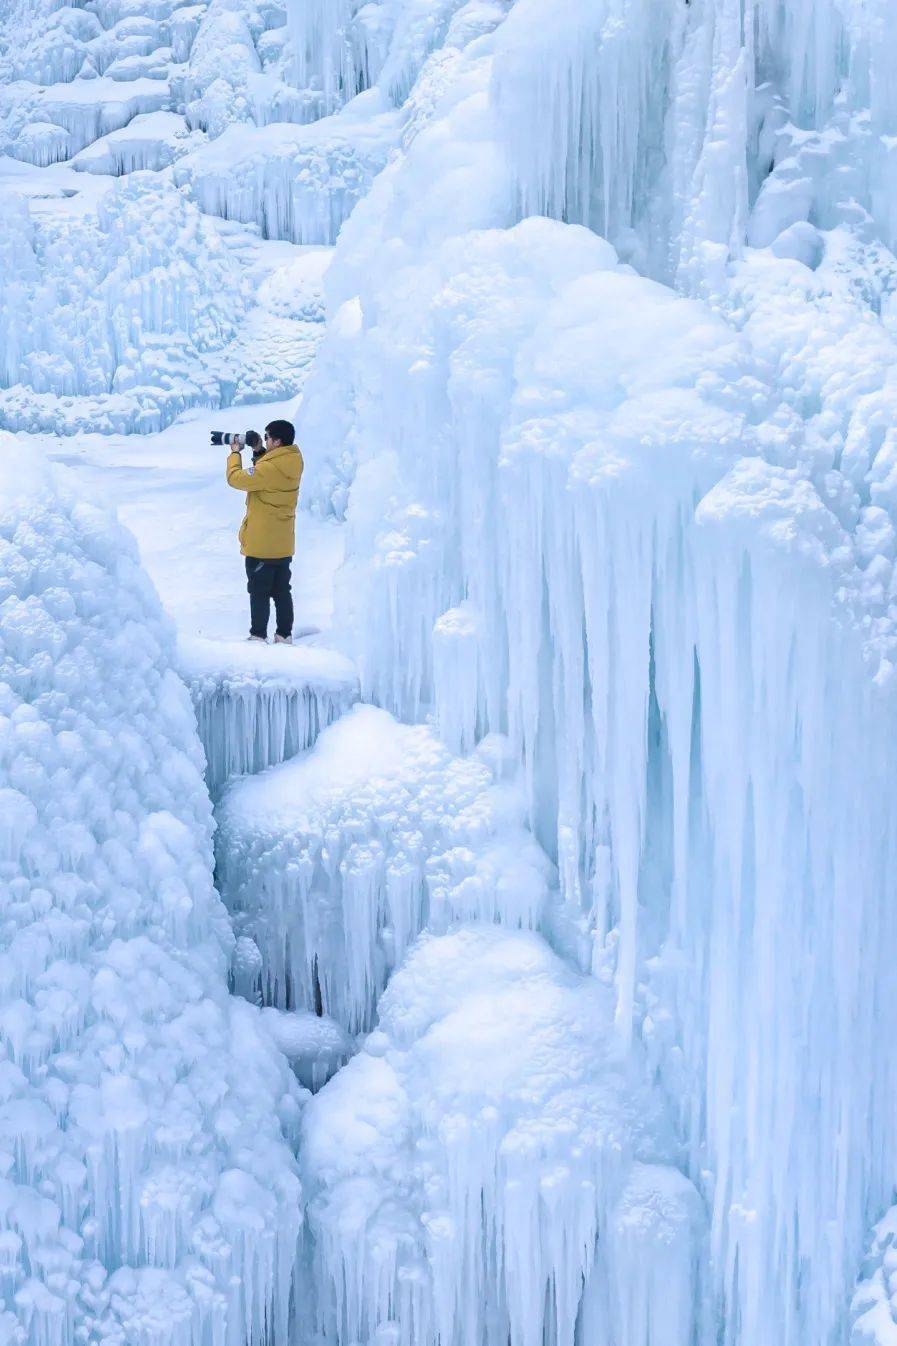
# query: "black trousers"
[[266, 580]]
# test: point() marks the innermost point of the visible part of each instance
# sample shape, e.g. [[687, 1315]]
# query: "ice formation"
[[295, 182], [315, 1045], [645, 534], [257, 707], [87, 314], [148, 1192], [653, 541], [333, 862], [490, 1168], [873, 1316]]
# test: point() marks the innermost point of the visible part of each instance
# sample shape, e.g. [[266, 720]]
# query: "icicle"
[[245, 729]]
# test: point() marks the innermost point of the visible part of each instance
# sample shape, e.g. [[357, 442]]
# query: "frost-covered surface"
[[336, 860], [148, 1192], [258, 705], [491, 1168]]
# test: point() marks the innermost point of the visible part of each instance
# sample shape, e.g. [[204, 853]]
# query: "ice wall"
[[335, 861], [656, 123], [653, 541], [148, 1192]]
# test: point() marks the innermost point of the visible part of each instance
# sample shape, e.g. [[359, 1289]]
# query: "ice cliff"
[[648, 533], [148, 1194]]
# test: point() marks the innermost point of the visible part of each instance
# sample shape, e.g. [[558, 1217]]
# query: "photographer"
[[268, 531]]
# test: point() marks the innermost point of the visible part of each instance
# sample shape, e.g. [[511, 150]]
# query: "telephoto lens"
[[218, 439]]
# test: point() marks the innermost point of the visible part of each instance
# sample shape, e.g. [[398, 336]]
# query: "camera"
[[252, 439]]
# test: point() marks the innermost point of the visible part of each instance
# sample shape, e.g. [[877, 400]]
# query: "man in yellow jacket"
[[268, 531]]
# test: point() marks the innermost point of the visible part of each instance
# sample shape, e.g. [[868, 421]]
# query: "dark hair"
[[281, 430]]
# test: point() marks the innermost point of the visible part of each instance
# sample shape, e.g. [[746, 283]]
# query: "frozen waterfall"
[[148, 1192], [334, 862], [653, 542], [582, 929], [462, 1167]]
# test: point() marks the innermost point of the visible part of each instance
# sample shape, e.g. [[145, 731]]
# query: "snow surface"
[[148, 1191], [333, 862]]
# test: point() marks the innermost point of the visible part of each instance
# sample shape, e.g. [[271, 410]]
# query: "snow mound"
[[335, 861], [148, 1193], [296, 290], [258, 705], [473, 1174]]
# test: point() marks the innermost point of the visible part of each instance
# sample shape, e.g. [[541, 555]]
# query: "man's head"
[[278, 432]]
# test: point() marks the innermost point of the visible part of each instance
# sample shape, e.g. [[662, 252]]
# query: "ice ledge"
[[257, 705]]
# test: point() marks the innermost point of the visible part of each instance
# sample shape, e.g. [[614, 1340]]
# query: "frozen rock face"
[[148, 1193], [334, 862], [489, 1168]]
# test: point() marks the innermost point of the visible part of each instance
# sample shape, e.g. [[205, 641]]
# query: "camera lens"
[[218, 438]]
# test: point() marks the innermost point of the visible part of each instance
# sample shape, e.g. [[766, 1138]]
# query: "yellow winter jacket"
[[268, 529]]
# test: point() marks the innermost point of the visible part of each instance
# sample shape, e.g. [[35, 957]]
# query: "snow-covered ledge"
[[256, 705]]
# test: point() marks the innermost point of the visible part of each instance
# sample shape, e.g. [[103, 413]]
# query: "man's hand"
[[236, 443]]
